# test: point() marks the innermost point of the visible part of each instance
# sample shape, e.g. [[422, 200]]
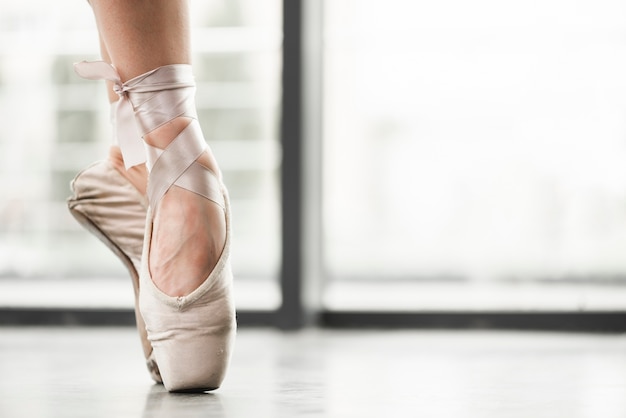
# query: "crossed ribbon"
[[148, 110]]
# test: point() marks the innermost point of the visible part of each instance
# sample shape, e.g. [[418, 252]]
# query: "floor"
[[98, 372]]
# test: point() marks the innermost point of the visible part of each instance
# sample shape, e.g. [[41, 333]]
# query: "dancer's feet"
[[186, 296]]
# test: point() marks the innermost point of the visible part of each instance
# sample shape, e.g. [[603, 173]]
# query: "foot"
[[189, 231]]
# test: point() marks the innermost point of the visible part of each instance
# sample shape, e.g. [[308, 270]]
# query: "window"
[[474, 155]]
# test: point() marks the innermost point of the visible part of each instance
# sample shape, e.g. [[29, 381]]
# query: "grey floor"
[[87, 372]]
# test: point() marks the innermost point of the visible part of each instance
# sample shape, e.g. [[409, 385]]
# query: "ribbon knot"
[[119, 89], [125, 127]]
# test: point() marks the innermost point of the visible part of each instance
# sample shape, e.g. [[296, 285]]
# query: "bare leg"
[[189, 231]]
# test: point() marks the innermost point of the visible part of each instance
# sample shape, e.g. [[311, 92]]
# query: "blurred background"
[[457, 155]]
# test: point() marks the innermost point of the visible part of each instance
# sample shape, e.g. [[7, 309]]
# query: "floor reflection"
[[162, 404]]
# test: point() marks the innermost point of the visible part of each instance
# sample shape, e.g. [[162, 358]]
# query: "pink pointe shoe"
[[106, 204], [193, 335]]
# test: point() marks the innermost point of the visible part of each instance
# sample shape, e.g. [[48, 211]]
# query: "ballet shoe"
[[106, 204], [192, 336]]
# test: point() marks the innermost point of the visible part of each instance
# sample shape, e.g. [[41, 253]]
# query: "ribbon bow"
[[126, 130]]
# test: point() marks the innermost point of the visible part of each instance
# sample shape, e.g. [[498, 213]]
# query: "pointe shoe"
[[192, 335], [106, 204]]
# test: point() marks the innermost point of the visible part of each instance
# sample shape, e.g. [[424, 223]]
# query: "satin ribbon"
[[126, 130], [145, 102]]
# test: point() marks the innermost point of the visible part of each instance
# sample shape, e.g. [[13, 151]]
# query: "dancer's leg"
[[189, 231]]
